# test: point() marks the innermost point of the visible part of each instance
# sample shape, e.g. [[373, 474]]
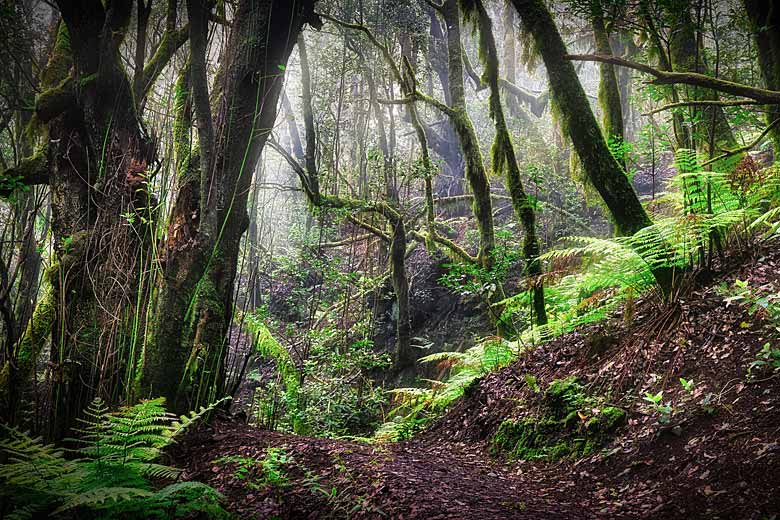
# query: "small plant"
[[766, 304], [273, 467], [767, 358], [709, 403], [129, 217], [688, 385], [664, 411], [532, 383], [258, 474], [243, 465]]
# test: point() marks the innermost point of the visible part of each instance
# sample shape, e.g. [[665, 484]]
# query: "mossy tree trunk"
[[764, 17], [404, 354], [476, 175], [445, 141], [710, 131], [603, 171], [98, 156], [95, 155], [681, 133], [609, 90], [504, 158], [185, 360]]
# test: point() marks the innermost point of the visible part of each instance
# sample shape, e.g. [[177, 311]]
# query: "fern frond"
[[102, 498]]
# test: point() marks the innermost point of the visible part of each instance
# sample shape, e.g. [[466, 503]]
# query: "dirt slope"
[[717, 457]]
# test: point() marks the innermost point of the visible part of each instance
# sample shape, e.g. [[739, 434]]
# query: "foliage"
[[113, 474], [688, 385], [767, 358], [262, 473], [469, 278], [663, 410], [608, 272], [331, 393], [415, 407], [707, 207]]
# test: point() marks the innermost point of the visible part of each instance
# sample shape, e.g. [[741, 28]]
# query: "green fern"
[[415, 407], [113, 474]]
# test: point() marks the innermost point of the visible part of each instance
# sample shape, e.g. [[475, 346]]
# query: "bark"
[[602, 169], [444, 142], [467, 137], [97, 156], [685, 56], [504, 158]]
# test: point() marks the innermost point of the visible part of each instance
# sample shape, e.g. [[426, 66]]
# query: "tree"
[[185, 358], [504, 158], [764, 20], [577, 119], [609, 91]]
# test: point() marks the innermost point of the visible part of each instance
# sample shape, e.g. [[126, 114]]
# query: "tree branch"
[[30, 171], [746, 148], [711, 102], [169, 44], [764, 96]]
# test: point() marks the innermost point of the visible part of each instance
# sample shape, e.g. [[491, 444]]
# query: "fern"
[[114, 471], [415, 407], [187, 421]]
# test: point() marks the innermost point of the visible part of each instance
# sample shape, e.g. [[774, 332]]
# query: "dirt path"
[[341, 479]]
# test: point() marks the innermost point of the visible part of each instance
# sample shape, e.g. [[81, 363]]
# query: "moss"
[[563, 428], [29, 349], [60, 60], [611, 418], [182, 121], [37, 331], [564, 396]]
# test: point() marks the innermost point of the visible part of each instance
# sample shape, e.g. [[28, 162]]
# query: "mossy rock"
[[564, 396], [562, 430]]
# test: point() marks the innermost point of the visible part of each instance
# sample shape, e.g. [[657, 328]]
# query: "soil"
[[717, 456]]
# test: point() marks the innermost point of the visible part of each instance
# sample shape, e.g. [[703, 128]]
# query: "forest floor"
[[718, 455]]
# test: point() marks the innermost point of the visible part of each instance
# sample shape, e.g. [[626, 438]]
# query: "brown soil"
[[716, 461]]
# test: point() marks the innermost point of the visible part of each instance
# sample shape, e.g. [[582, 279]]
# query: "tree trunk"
[[609, 91], [98, 155], [186, 363], [764, 17], [467, 137], [685, 56], [504, 158], [445, 141], [603, 171]]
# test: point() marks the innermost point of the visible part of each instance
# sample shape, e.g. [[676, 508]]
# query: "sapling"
[[664, 411]]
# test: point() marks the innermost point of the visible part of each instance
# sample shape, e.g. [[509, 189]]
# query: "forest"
[[410, 259]]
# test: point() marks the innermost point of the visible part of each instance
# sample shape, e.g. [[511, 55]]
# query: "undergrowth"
[[113, 473], [701, 214]]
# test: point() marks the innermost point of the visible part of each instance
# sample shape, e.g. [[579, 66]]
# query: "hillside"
[[715, 457]]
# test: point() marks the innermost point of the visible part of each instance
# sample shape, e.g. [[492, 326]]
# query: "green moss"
[[564, 396], [60, 61], [611, 418], [37, 331], [567, 426], [29, 349], [182, 121]]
